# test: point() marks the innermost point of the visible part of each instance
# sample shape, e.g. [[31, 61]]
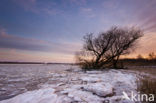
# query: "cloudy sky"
[[52, 30]]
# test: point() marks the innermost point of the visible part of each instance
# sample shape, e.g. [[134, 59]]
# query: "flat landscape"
[[54, 83]]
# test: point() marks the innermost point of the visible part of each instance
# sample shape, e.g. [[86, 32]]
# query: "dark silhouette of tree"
[[140, 57], [152, 56], [106, 49]]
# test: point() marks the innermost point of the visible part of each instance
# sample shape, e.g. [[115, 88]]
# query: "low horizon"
[[52, 30]]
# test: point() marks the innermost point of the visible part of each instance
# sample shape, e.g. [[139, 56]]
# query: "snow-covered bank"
[[77, 86]]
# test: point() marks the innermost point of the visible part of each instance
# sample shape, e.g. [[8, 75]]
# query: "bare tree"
[[106, 49], [152, 56]]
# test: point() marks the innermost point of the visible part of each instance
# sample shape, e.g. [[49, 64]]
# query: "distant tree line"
[[151, 56], [140, 60]]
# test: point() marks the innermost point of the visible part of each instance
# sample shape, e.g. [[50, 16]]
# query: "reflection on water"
[[19, 78]]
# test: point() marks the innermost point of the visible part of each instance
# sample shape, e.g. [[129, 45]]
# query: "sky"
[[53, 30]]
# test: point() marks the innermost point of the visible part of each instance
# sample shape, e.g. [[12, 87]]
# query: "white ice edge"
[[89, 87]]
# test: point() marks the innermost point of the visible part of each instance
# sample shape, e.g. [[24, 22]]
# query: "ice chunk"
[[99, 89], [90, 79], [84, 96], [38, 96], [80, 87]]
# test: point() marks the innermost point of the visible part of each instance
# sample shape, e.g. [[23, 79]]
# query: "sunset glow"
[[53, 30]]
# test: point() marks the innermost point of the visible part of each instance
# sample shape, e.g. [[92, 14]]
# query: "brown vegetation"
[[139, 61], [147, 86]]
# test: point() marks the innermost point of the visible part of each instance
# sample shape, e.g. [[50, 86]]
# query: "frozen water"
[[19, 78], [57, 84]]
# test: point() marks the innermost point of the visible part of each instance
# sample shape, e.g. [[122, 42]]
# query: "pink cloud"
[[31, 44]]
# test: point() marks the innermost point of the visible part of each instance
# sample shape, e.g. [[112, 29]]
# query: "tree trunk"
[[115, 62]]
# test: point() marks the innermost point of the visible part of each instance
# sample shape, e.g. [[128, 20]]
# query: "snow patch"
[[89, 87], [99, 89]]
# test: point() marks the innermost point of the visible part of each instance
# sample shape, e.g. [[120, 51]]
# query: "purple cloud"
[[21, 43]]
